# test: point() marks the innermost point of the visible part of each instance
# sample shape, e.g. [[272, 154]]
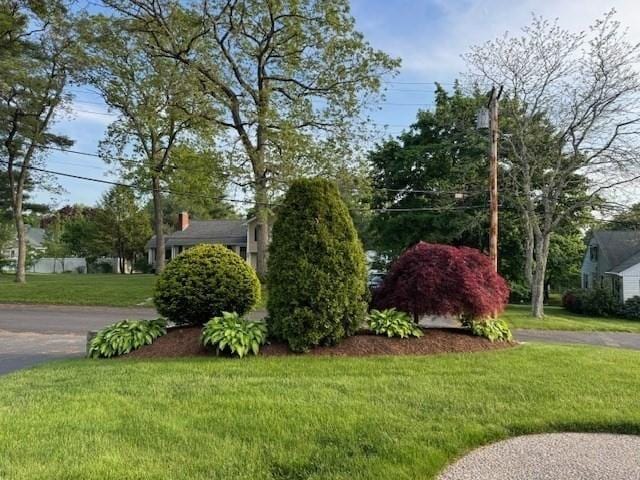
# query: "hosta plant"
[[234, 333], [494, 330], [393, 323], [125, 336]]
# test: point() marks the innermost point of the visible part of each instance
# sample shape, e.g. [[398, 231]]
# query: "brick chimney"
[[183, 220]]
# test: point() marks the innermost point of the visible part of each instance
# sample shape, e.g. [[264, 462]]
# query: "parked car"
[[375, 279]]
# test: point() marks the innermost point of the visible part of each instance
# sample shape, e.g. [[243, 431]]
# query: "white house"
[[35, 241], [241, 236], [612, 261]]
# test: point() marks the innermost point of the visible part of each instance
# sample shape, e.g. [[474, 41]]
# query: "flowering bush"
[[432, 279]]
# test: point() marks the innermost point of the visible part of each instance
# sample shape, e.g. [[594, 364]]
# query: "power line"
[[460, 191], [120, 184]]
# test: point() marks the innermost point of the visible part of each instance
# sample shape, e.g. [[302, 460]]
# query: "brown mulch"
[[185, 342]]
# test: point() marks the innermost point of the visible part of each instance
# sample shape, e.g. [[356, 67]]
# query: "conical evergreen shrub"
[[316, 269]]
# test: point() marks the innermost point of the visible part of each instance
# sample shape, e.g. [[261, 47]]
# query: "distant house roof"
[[226, 232], [621, 248]]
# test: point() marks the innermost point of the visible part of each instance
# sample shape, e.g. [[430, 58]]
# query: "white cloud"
[[433, 52]]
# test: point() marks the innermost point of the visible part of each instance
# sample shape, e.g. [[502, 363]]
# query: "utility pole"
[[493, 175]]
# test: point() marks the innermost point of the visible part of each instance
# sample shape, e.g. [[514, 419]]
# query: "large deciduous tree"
[[35, 67], [573, 103], [431, 183], [288, 77], [158, 107]]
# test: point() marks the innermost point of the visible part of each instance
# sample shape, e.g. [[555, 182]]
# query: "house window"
[[167, 254], [585, 281], [256, 233], [593, 253], [243, 252]]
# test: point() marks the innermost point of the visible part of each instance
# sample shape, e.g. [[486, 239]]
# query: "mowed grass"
[[302, 417], [74, 289], [557, 318]]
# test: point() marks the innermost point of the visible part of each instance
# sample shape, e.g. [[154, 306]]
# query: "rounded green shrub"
[[631, 308], [204, 281], [316, 271]]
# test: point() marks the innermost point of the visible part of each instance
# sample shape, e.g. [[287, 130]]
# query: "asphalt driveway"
[[31, 334]]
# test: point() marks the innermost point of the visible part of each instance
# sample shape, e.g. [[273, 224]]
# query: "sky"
[[428, 35]]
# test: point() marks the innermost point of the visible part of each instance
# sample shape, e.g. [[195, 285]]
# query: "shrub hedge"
[[316, 270], [598, 302], [631, 308], [204, 281]]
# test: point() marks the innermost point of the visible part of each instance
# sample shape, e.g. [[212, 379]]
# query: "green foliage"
[[316, 277], [125, 336], [123, 227], [493, 329], [204, 281], [393, 323], [631, 308], [197, 169], [234, 333], [519, 293], [81, 237], [597, 301], [444, 153], [566, 251]]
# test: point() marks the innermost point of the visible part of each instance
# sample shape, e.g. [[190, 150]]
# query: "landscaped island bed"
[[299, 417], [184, 342]]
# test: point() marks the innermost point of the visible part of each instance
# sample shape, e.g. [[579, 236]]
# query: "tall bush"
[[204, 281], [599, 302], [433, 279], [316, 276]]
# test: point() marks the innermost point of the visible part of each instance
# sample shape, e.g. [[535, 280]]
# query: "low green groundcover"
[[302, 417]]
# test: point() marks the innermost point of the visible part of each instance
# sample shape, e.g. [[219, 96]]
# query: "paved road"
[[606, 339], [31, 334]]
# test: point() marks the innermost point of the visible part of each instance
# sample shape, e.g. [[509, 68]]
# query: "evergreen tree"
[[316, 277]]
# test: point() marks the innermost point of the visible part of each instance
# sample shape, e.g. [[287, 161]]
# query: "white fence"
[[59, 265]]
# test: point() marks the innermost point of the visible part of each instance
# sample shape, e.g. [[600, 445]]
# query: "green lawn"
[[557, 318], [302, 417], [73, 289]]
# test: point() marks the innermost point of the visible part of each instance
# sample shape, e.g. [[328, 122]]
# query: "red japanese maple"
[[433, 279]]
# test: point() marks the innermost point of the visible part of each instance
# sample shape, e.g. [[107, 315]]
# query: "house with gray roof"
[[35, 240], [36, 243], [612, 261], [241, 236]]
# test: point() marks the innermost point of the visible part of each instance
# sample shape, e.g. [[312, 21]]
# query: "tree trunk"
[[537, 287], [158, 223], [528, 255], [262, 217], [21, 265]]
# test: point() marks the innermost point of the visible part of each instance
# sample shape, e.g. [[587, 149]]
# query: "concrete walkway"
[[561, 456]]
